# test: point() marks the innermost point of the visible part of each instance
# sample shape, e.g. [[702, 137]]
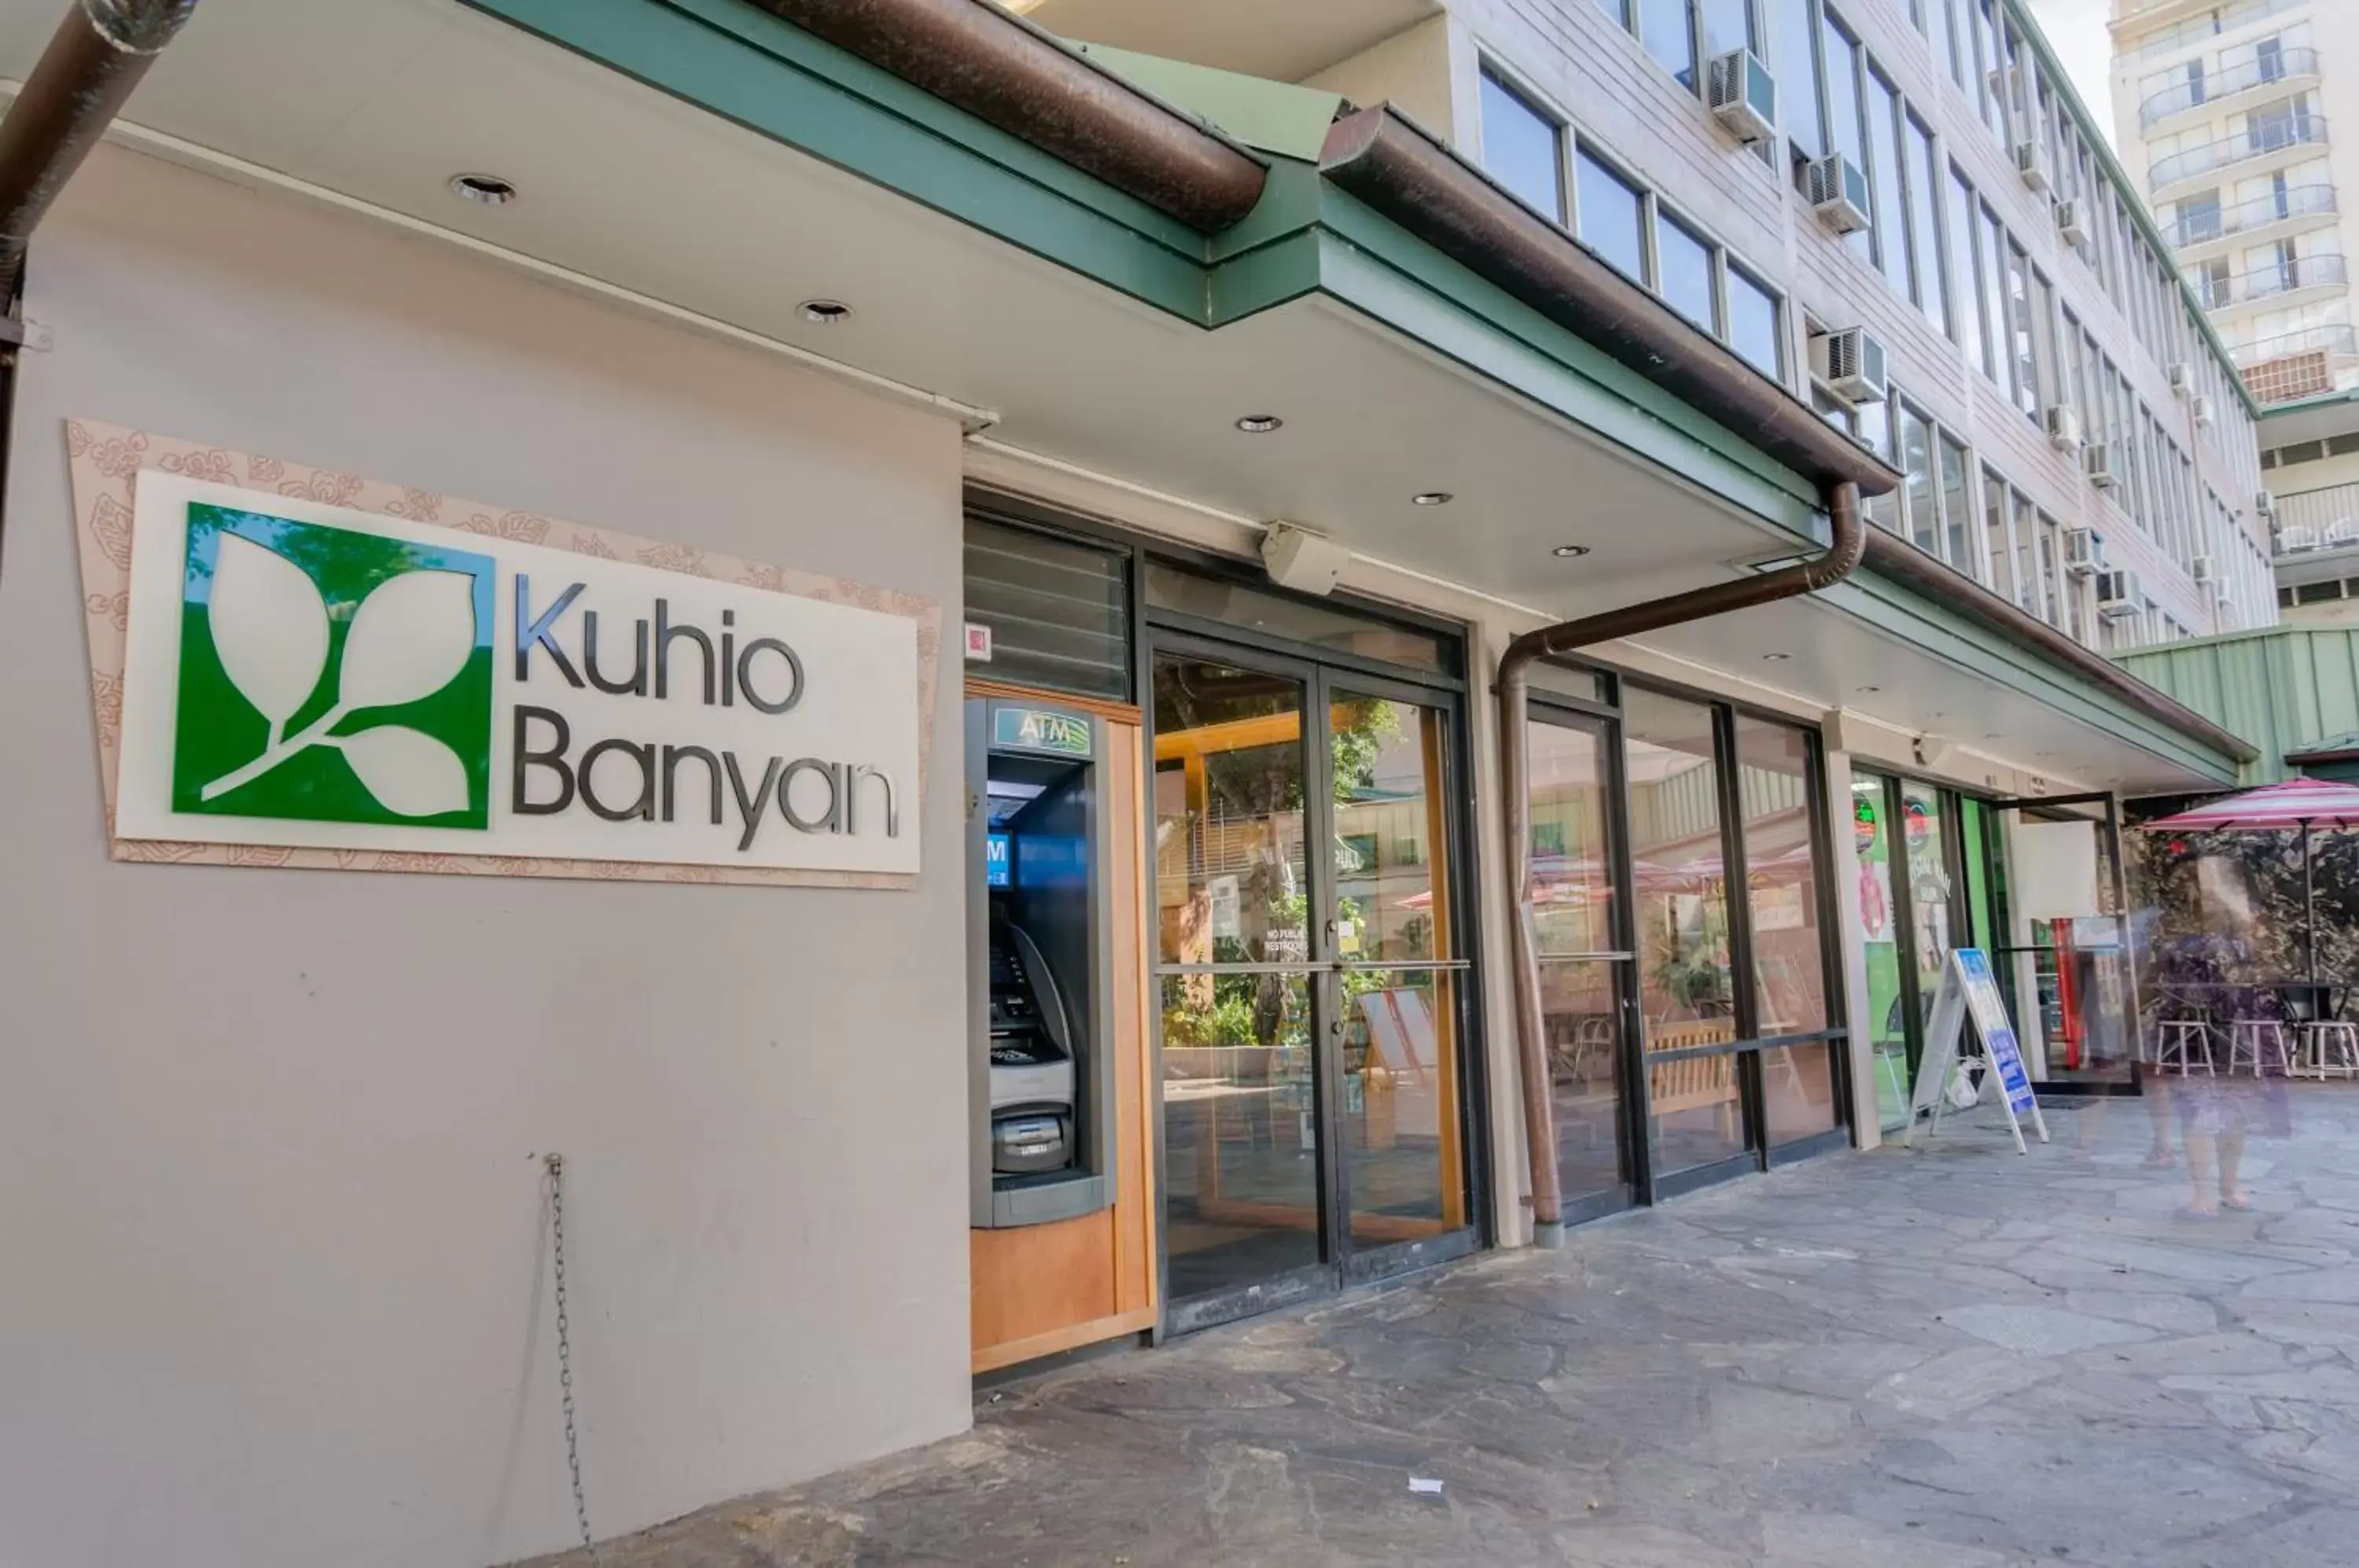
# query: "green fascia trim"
[[752, 68], [2307, 406], [2101, 146], [1380, 270], [1268, 117], [1978, 651]]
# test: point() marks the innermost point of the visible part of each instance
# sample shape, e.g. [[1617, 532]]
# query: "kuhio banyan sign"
[[307, 675]]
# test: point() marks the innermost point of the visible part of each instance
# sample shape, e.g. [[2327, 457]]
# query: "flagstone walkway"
[[1905, 1359]]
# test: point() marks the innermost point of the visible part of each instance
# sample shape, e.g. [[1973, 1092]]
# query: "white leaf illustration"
[[269, 627], [408, 638], [408, 771]]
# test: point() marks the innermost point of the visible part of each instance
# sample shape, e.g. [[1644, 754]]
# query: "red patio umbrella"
[[2299, 803]]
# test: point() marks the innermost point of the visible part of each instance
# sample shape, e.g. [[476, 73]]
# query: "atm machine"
[[1041, 1072]]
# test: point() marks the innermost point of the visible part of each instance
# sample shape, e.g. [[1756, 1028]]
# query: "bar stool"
[[2183, 1043], [2254, 1042], [2331, 1044]]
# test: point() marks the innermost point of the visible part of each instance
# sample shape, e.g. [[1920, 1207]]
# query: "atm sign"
[[1028, 729]]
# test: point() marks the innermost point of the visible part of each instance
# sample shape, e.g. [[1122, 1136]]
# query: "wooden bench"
[[1691, 1083]]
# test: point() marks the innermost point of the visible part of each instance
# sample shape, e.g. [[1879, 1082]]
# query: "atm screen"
[[995, 858]]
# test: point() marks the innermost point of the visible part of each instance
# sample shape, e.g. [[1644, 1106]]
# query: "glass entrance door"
[[1310, 980], [1584, 961]]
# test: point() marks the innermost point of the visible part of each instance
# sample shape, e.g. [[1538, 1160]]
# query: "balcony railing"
[[2202, 226], [2339, 339], [2317, 520], [2225, 19], [2227, 83], [2260, 140], [2267, 282]]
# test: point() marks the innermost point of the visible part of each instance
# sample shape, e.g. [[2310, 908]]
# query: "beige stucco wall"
[[274, 1295]]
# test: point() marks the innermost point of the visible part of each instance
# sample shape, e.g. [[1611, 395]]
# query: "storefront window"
[[1574, 931], [1888, 1024], [1781, 875], [1923, 815], [1686, 983]]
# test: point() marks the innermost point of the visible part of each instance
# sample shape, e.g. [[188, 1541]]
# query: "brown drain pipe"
[[1841, 554], [96, 58]]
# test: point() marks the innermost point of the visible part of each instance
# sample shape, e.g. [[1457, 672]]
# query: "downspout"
[[1843, 553], [96, 57]]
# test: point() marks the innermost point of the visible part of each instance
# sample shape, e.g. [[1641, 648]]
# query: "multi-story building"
[[2074, 431], [2232, 118]]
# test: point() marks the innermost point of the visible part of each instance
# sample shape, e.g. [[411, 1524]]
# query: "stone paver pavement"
[[1948, 1358]]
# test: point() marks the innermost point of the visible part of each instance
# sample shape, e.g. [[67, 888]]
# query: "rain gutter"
[[1010, 74], [1896, 560]]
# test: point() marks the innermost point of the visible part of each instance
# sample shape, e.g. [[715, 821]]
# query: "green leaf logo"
[[332, 675]]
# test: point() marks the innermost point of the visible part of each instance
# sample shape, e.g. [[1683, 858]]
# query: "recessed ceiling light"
[[1259, 424], [489, 190], [1774, 658], [1867, 688], [1570, 551], [1432, 498], [823, 312], [1994, 736]]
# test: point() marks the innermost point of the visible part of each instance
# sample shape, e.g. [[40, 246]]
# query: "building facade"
[[2050, 374], [1045, 850], [2228, 115]]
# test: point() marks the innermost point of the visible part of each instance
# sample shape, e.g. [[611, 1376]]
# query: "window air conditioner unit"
[[2031, 162], [2202, 405], [2290, 540], [1838, 193], [2199, 569], [2098, 464], [1850, 363], [2064, 428], [2225, 600], [2084, 551], [2118, 598], [2073, 222], [1743, 96], [2182, 379], [2343, 530]]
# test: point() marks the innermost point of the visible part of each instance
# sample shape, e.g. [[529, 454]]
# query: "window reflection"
[[1685, 978], [1573, 914], [1781, 877]]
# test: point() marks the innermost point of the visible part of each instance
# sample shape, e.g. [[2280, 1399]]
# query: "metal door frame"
[[1339, 1265], [2112, 826], [1603, 721]]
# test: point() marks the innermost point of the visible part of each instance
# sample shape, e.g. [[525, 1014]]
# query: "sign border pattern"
[[106, 460]]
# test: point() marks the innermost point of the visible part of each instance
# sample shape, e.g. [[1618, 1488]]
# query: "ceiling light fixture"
[[485, 190], [1432, 498], [1867, 689], [824, 312], [1570, 551], [1259, 424], [1776, 658]]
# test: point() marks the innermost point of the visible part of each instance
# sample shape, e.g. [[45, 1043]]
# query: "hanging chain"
[[556, 1164]]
